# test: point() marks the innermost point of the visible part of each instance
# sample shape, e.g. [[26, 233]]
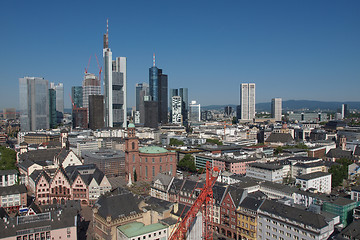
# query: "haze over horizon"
[[295, 50]]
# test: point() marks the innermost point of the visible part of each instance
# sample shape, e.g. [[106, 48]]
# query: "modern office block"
[[158, 87], [184, 93], [77, 96], [195, 112], [151, 114], [176, 110], [96, 112], [344, 111], [90, 86], [80, 117], [114, 87], [59, 90], [34, 103], [142, 89], [247, 101], [52, 108], [276, 108]]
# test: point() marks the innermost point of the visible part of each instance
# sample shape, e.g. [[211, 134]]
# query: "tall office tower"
[[195, 112], [114, 87], [34, 103], [247, 101], [59, 89], [96, 112], [276, 109], [52, 108], [183, 93], [158, 86], [173, 92], [344, 110], [90, 86], [77, 96], [142, 89], [151, 114], [176, 110], [80, 117]]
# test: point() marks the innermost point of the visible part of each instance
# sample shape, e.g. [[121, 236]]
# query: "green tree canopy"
[[176, 142], [187, 163], [7, 158]]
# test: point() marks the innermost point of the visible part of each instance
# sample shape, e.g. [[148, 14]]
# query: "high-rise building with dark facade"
[[77, 96], [52, 108], [151, 114], [80, 117], [142, 89], [96, 112], [34, 103], [158, 86], [59, 90]]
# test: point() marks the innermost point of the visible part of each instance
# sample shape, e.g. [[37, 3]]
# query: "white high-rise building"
[[114, 87], [247, 101], [176, 110], [276, 108], [194, 112]]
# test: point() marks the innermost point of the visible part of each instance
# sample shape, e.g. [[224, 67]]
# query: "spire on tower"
[[154, 60], [107, 26], [106, 35]]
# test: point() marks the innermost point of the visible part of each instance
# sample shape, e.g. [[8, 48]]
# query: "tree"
[[214, 141], [176, 142], [187, 163], [339, 172], [7, 158]]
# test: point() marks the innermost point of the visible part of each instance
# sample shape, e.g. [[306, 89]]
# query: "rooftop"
[[136, 229], [266, 166], [313, 175], [152, 150]]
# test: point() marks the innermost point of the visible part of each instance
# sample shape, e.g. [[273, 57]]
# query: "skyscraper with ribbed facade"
[[247, 101]]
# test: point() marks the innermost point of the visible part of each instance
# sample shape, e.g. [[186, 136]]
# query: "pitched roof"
[[40, 155], [313, 175], [338, 153], [8, 172], [118, 206], [164, 178], [352, 231], [14, 189], [266, 166], [237, 194], [176, 186], [251, 203], [357, 151], [299, 215], [280, 137]]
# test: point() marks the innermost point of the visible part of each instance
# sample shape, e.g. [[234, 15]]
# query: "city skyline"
[[279, 46]]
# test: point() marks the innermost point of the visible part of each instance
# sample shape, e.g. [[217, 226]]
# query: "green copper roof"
[[153, 149], [131, 125], [136, 229]]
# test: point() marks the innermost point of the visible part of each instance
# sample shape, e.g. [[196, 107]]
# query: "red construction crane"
[[204, 202], [100, 68], [87, 68]]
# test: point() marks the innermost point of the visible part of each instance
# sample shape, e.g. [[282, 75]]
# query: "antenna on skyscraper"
[[107, 26], [154, 60]]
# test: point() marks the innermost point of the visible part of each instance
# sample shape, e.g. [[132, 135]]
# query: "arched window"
[[133, 145], [133, 158]]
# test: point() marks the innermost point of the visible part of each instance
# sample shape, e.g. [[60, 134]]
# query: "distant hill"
[[293, 105]]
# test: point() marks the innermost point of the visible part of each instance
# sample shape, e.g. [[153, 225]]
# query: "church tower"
[[131, 154]]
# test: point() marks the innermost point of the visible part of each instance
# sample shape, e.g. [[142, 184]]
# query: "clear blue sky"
[[294, 49]]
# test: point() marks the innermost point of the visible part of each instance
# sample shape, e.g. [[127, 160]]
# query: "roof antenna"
[[154, 60]]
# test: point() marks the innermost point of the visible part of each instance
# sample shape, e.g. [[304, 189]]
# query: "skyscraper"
[[114, 87], [276, 108], [34, 103], [247, 101], [195, 112], [176, 110], [90, 86], [183, 93], [142, 89], [96, 112], [59, 90], [158, 86], [77, 96], [52, 108]]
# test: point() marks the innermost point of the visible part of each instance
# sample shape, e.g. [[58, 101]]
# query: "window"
[[153, 171], [160, 159], [133, 145], [153, 160], [160, 168], [133, 158], [146, 172], [170, 159], [145, 159]]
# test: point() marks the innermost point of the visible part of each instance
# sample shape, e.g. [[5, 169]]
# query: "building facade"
[[34, 103], [96, 112], [316, 181], [176, 110], [276, 108], [194, 112], [59, 90], [247, 101], [143, 164]]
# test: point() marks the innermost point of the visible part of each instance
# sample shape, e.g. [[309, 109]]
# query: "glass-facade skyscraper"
[[34, 103], [77, 96], [52, 108]]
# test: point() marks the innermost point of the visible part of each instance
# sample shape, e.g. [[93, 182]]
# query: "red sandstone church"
[[146, 162]]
